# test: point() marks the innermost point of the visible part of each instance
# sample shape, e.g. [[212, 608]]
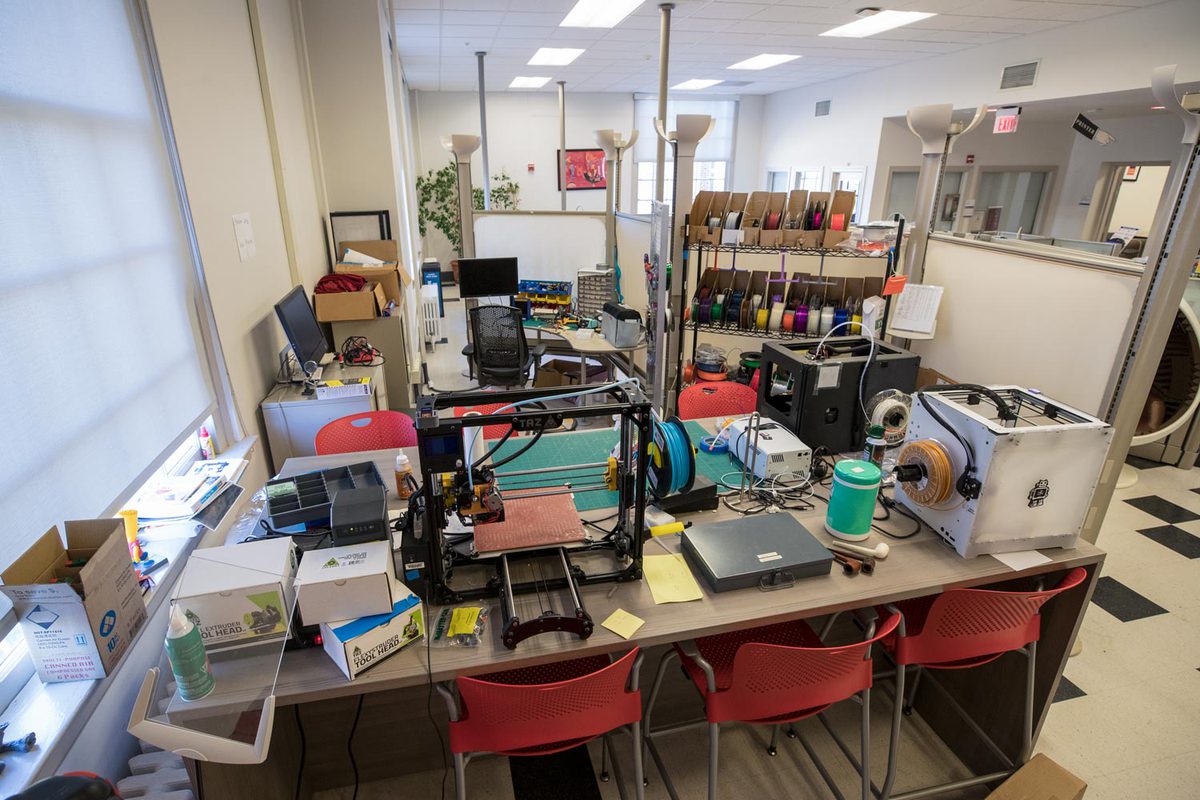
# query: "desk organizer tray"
[[307, 497]]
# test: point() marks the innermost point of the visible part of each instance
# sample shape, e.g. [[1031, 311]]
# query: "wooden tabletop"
[[595, 344], [919, 566]]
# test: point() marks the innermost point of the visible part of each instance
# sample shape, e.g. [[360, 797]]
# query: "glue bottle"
[[404, 479], [189, 662], [876, 446]]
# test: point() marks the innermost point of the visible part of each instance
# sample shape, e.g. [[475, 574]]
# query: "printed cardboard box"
[[356, 645], [78, 630], [345, 582]]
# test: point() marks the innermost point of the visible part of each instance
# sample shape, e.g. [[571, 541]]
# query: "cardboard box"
[[74, 635], [1041, 779], [698, 219], [931, 377], [752, 218], [776, 204], [239, 594], [562, 372], [366, 303], [392, 275], [349, 582], [793, 215], [716, 213], [359, 644], [842, 204]]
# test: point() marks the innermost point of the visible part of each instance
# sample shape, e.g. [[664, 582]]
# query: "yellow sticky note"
[[670, 579], [622, 623], [463, 621]]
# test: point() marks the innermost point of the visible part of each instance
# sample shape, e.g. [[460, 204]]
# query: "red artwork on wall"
[[583, 169]]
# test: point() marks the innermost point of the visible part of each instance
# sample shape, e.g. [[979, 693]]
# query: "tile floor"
[[1126, 717]]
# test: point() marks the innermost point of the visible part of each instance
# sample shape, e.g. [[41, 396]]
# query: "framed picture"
[[1131, 173], [949, 207], [582, 169]]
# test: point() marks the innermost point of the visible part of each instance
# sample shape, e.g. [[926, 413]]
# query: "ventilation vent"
[[1018, 75], [822, 108], [735, 84]]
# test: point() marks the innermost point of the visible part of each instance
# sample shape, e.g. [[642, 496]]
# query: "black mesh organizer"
[[307, 497]]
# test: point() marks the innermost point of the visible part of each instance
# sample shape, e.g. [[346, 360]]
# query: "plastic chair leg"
[[894, 741], [639, 769], [604, 758], [865, 735], [1027, 729], [772, 750], [912, 693], [714, 736], [460, 777]]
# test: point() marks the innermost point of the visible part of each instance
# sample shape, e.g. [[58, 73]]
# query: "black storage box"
[[768, 550]]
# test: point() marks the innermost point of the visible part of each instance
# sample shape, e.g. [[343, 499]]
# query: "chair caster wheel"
[[772, 752], [645, 781], [604, 777], [791, 732], [908, 711]]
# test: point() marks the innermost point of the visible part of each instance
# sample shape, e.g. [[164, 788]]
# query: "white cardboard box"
[[346, 582], [72, 636], [355, 645], [239, 593]]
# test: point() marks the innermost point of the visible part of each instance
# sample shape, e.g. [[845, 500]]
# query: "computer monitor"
[[300, 326], [487, 277]]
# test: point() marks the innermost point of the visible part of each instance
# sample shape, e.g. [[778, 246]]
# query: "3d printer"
[[475, 530]]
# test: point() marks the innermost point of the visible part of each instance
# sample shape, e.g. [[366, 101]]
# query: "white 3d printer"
[[1000, 469]]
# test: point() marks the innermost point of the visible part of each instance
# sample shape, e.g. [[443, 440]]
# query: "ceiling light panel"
[[522, 82], [599, 13], [878, 23], [763, 61], [554, 56], [694, 84]]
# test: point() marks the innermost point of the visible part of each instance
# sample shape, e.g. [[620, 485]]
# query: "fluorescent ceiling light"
[[1158, 108], [554, 56], [694, 84], [763, 61], [599, 13], [878, 22], [521, 82]]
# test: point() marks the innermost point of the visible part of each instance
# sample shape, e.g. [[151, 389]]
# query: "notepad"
[[670, 579], [622, 623]]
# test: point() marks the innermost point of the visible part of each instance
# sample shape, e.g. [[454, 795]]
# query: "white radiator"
[[431, 321]]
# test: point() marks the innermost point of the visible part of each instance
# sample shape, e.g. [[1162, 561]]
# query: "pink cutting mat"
[[532, 522]]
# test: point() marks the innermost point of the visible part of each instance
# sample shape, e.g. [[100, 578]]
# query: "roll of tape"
[[705, 316], [776, 317], [772, 221], [714, 222], [856, 327], [800, 325], [837, 222], [733, 220], [718, 312], [760, 320], [840, 316], [789, 320], [813, 325], [712, 369], [711, 376], [826, 321]]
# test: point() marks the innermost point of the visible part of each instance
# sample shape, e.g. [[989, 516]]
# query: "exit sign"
[[1006, 119]]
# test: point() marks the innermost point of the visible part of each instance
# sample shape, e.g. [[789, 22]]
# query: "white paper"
[[828, 376], [355, 257], [1021, 560], [243, 232], [916, 308]]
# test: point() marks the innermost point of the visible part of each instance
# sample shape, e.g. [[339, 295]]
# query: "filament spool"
[[937, 485]]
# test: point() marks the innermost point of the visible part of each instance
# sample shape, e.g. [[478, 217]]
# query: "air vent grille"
[[823, 108], [1019, 75]]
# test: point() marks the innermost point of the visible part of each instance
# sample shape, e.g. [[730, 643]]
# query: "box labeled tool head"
[[340, 583], [355, 645]]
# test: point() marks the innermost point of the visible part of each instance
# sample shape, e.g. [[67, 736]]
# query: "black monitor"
[[487, 277], [300, 326]]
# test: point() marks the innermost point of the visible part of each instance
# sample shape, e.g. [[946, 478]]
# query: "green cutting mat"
[[588, 447]]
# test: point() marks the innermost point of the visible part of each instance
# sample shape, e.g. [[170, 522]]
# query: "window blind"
[[98, 313], [716, 146]]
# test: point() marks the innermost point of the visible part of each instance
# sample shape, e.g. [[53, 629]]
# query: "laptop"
[[767, 550]]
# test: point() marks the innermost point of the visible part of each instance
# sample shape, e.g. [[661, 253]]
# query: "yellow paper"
[[622, 623], [670, 579], [463, 621]]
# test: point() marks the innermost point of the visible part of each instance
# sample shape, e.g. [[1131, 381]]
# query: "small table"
[[590, 345]]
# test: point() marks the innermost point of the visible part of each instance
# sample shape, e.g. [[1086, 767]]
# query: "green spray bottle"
[[189, 661]]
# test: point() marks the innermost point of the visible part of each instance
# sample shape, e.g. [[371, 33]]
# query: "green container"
[[188, 659], [852, 501]]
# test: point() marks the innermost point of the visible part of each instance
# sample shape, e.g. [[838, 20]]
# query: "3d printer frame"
[[440, 442]]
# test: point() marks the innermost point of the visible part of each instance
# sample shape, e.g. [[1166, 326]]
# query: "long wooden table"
[[398, 686]]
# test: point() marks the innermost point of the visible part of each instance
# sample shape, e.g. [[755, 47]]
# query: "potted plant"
[[437, 200]]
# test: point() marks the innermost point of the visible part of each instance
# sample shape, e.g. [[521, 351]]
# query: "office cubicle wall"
[[548, 245]]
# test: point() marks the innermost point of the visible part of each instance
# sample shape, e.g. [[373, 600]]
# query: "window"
[[1010, 200], [902, 197], [851, 179], [706, 176], [807, 179], [99, 294], [714, 154], [777, 180]]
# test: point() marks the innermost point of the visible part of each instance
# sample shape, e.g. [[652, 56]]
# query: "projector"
[[776, 452]]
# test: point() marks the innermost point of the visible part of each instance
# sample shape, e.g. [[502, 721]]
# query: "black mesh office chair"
[[498, 354]]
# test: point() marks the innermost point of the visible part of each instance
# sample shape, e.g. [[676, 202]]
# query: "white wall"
[[1137, 201], [1104, 55]]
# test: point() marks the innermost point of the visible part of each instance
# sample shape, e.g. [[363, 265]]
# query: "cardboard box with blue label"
[[239, 594], [79, 603], [356, 645]]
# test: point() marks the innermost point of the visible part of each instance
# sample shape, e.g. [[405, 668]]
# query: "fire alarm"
[[529, 167], [970, 158]]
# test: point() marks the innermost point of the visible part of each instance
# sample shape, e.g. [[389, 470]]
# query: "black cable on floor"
[[303, 751], [429, 706], [350, 745]]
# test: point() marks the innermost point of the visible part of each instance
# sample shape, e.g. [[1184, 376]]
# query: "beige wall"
[[217, 106]]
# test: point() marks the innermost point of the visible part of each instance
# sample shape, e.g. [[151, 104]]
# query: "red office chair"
[[774, 675], [489, 431], [546, 709], [964, 628], [716, 399], [370, 430]]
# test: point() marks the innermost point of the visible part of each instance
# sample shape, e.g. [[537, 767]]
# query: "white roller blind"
[[105, 367], [716, 146]]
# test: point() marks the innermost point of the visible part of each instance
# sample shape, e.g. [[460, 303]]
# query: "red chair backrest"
[[500, 717], [371, 430], [965, 624], [773, 679], [716, 399], [489, 431]]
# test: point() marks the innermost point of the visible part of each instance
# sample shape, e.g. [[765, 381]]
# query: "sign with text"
[[1085, 126], [1006, 119]]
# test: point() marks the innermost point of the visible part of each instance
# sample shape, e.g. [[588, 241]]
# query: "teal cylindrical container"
[[189, 661], [852, 501]]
